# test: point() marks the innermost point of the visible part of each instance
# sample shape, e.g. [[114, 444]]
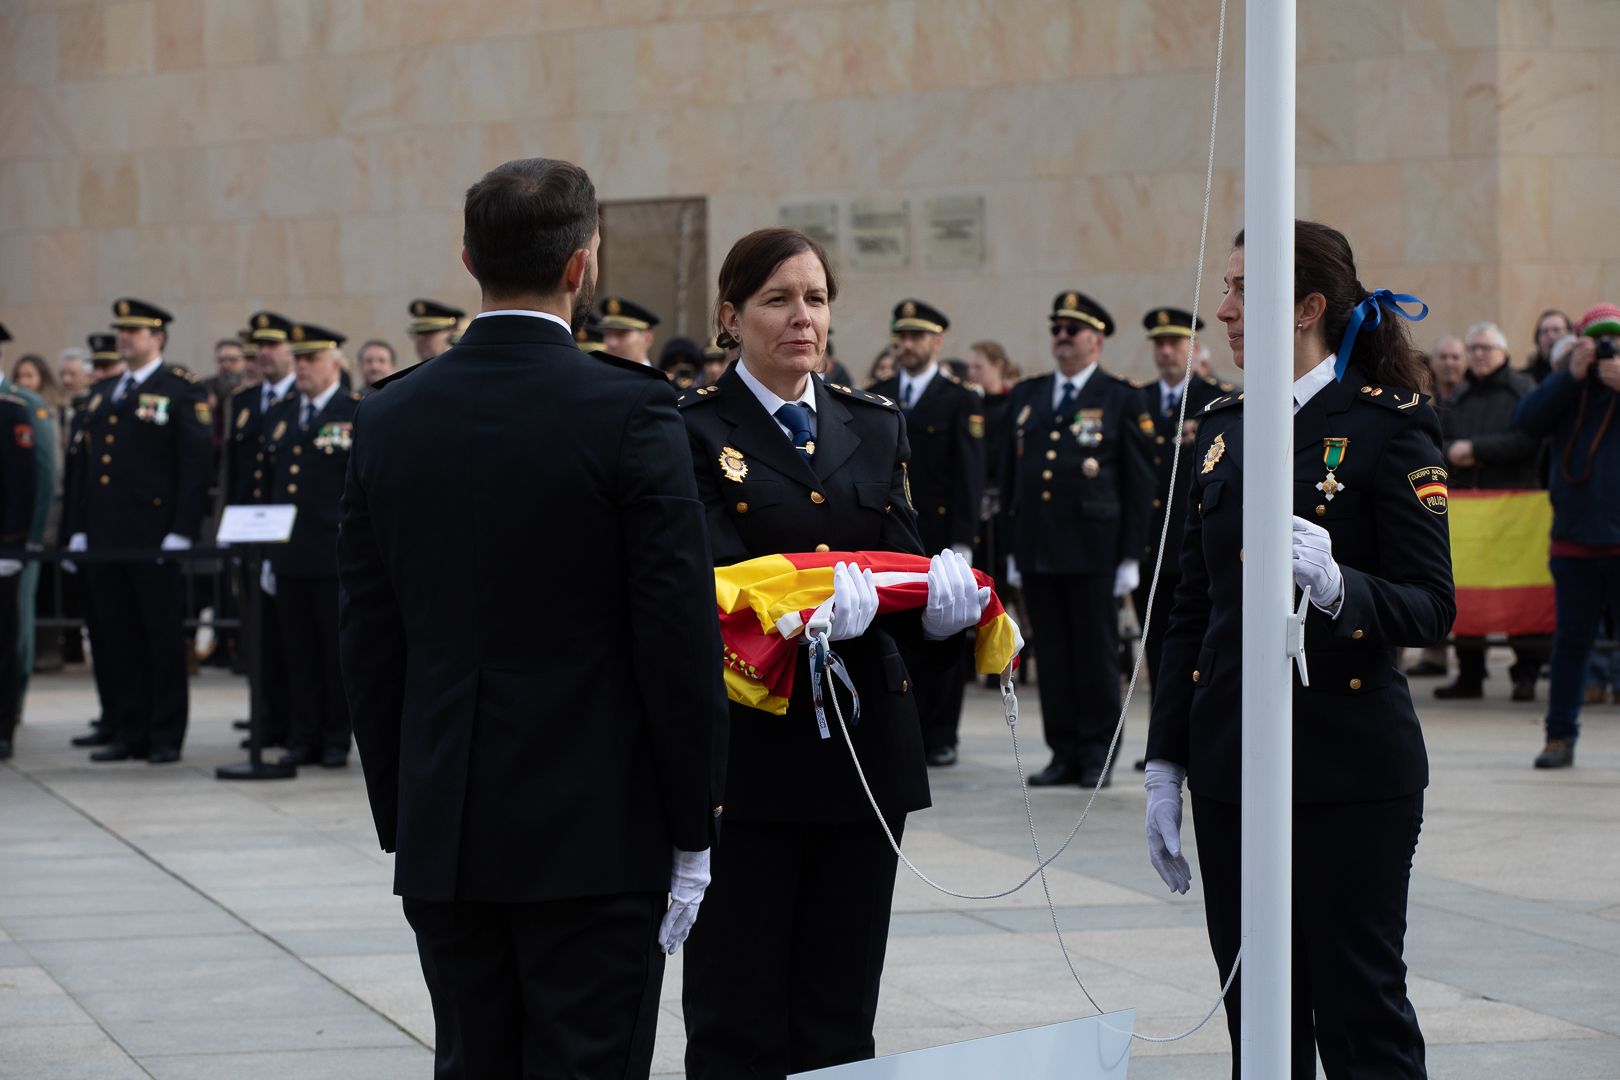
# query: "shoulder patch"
[[696, 396], [863, 395], [1393, 398], [182, 373], [628, 365], [1224, 402]]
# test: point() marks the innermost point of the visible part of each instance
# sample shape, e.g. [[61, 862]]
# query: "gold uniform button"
[[1157, 460], [1321, 509], [817, 497], [157, 502], [742, 508], [259, 456], [258, 474], [1158, 503], [112, 420], [823, 547], [1358, 635], [106, 459], [298, 450], [1051, 455], [905, 685], [1197, 676], [1046, 474], [109, 440], [1355, 684], [941, 511], [1046, 496], [1160, 440], [292, 489], [105, 480], [931, 429], [294, 470], [1056, 435]]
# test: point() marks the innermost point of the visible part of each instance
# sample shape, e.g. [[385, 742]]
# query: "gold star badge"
[[1216, 450]]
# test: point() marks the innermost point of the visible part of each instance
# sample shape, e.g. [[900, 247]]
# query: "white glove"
[[267, 579], [1014, 578], [1315, 566], [1127, 576], [688, 879], [955, 600], [176, 542], [1163, 786], [10, 568], [854, 606], [76, 542]]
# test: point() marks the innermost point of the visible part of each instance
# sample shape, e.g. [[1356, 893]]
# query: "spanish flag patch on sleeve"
[[1429, 485]]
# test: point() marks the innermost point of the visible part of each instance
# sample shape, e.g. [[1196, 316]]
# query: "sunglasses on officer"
[[1067, 328]]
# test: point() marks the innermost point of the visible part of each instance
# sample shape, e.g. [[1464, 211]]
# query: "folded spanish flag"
[[765, 604], [1499, 562]]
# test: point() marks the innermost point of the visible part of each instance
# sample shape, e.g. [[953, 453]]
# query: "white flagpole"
[[1268, 743]]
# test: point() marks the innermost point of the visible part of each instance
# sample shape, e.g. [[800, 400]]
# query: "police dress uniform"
[[245, 481], [149, 448], [1367, 468], [1079, 488], [945, 427], [307, 454], [1168, 429], [434, 317], [783, 965], [17, 490]]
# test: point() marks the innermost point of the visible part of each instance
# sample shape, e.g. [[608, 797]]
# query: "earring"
[[1299, 326]]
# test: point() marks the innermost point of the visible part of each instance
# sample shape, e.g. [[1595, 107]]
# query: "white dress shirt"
[[531, 314], [1078, 380], [1169, 394], [767, 397], [1313, 381], [319, 401], [277, 391], [917, 384]]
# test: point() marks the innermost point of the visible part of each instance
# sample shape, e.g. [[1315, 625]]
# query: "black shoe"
[[942, 755], [1524, 690], [165, 755], [268, 744], [1459, 691], [5, 749], [1090, 775], [1140, 764], [1055, 775], [117, 751], [241, 725], [1425, 669], [298, 757], [98, 737], [1557, 754], [334, 759]]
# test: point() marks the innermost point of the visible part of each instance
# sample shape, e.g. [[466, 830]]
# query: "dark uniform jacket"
[[306, 467], [1482, 412], [1356, 736], [144, 462], [528, 630], [17, 470], [762, 499], [1200, 392], [1585, 471], [945, 427], [245, 479], [73, 464], [1080, 493]]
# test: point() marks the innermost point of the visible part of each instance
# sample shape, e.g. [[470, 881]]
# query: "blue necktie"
[[906, 393], [309, 414], [796, 418], [123, 388], [1066, 402]]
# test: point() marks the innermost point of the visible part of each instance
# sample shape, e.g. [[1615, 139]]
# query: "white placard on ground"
[[1096, 1048], [256, 524]]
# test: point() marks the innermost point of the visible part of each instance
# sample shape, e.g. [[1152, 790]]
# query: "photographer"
[[1576, 405]]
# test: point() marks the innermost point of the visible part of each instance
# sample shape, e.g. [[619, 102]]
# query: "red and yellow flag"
[[765, 604], [1499, 562]]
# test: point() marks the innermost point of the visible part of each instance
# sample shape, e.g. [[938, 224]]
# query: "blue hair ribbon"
[[1367, 315]]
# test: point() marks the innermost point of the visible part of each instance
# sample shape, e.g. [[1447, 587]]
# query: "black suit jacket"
[[853, 499], [945, 428], [1200, 392], [306, 467], [145, 461], [17, 479], [1078, 493], [245, 474], [528, 626], [1356, 735]]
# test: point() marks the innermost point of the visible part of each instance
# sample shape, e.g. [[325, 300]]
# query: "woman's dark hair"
[[1535, 333], [1323, 263], [49, 390], [523, 221], [750, 264]]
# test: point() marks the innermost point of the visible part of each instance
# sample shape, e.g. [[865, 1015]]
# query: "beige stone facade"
[[309, 155]]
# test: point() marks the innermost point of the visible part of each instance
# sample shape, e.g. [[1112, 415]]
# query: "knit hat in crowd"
[[1601, 321]]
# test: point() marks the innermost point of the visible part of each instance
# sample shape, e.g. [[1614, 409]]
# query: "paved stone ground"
[[155, 922]]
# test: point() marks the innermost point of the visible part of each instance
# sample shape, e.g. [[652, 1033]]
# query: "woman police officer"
[[1371, 541], [782, 968]]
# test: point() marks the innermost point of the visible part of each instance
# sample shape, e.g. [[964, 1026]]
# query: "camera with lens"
[[1606, 349]]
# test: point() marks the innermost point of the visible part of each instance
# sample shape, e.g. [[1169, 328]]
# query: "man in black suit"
[[1079, 484], [306, 451], [150, 437], [541, 723], [1170, 330], [945, 425]]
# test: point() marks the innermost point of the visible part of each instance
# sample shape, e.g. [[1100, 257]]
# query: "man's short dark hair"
[[377, 343], [522, 222]]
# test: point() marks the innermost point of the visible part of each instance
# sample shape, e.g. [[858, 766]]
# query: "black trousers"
[[564, 989], [1528, 656], [10, 657], [1153, 643], [783, 964], [274, 672], [100, 667], [139, 637], [939, 698], [308, 610], [1352, 868], [1076, 623]]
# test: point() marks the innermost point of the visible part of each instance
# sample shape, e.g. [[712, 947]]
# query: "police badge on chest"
[[1088, 427], [153, 408]]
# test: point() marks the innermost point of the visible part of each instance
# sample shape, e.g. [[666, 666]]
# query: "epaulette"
[[1392, 397], [1224, 402], [862, 395], [1225, 387], [692, 397], [182, 373], [16, 399], [395, 376], [252, 388], [629, 365]]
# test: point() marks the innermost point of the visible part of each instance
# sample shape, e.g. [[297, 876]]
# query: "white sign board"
[[256, 524], [1095, 1048]]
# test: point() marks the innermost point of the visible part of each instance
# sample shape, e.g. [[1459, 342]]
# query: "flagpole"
[[1268, 743]]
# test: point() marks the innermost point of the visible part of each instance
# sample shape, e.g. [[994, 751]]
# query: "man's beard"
[[583, 299]]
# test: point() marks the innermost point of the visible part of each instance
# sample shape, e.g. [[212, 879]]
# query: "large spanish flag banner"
[[1499, 562], [766, 603]]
